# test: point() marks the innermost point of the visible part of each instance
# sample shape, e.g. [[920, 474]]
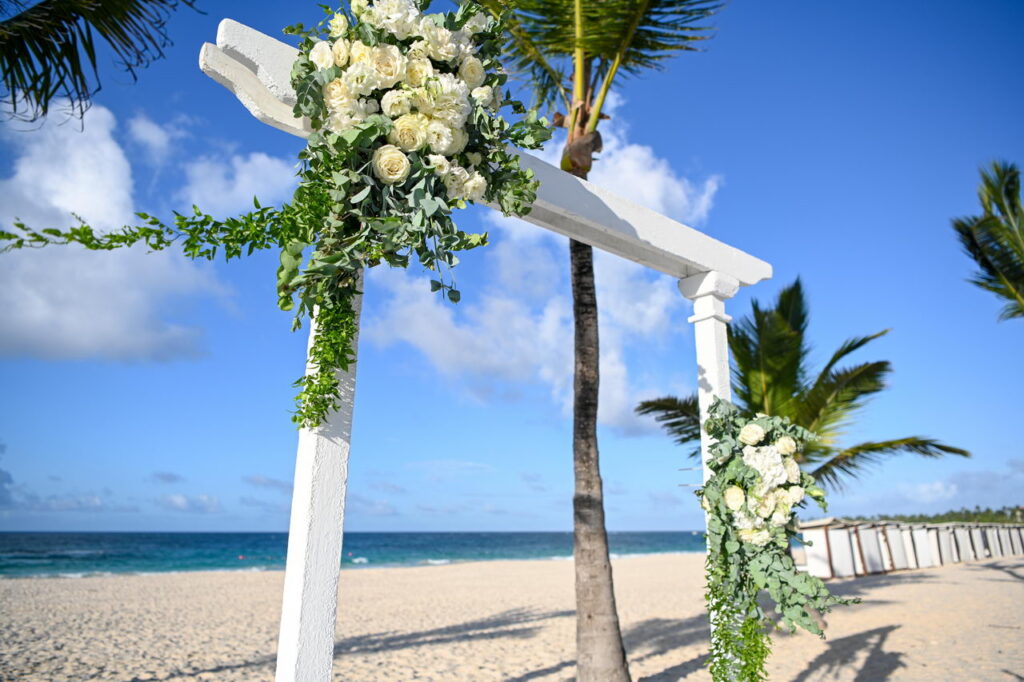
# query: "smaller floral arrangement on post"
[[751, 501]]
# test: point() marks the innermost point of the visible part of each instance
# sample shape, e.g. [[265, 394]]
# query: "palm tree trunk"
[[600, 655]]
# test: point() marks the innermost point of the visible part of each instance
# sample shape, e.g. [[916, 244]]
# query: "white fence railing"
[[838, 548]]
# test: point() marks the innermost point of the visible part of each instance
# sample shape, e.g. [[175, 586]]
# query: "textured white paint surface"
[[305, 648], [256, 68]]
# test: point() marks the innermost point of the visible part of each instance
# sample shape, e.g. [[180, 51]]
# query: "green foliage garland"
[[750, 500], [404, 111]]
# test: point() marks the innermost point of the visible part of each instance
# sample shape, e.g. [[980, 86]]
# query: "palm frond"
[[49, 49], [680, 418], [835, 398], [667, 27], [995, 239], [852, 462]]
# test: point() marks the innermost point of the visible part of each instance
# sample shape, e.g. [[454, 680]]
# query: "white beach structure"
[[874, 555], [256, 68], [947, 544], [964, 545], [1016, 540], [995, 548], [892, 543], [978, 542]]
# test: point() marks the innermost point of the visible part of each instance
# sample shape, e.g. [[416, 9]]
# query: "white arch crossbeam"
[[257, 68]]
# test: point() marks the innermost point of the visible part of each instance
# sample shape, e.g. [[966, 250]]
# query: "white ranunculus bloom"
[[394, 103], [340, 51], [472, 72], [751, 434], [795, 494], [759, 538], [475, 186], [390, 164], [399, 17], [439, 163], [440, 138], [418, 71], [785, 445], [337, 96], [409, 132], [767, 462], [422, 101], [792, 470], [361, 78], [389, 63], [455, 182], [358, 51], [483, 94], [338, 26], [321, 55], [441, 45], [734, 497]]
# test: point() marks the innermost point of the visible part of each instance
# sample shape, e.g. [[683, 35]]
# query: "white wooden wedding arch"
[[256, 68]]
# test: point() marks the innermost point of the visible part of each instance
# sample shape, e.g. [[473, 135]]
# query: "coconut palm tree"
[[572, 52], [48, 48], [771, 374], [995, 239]]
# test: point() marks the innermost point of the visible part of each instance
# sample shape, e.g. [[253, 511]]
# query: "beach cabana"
[[947, 544], [992, 541], [894, 546], [1017, 540], [978, 542], [1004, 539], [926, 555], [909, 546], [833, 551], [872, 556], [964, 545]]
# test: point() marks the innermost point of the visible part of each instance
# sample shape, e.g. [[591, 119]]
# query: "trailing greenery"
[[771, 374], [1012, 514], [362, 201], [995, 239], [751, 501]]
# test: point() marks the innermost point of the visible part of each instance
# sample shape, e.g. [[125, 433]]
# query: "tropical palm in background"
[[571, 52], [771, 374], [48, 48], [995, 239]]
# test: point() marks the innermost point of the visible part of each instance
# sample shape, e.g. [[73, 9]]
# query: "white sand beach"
[[503, 620]]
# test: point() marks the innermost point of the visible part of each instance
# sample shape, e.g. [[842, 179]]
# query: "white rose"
[[418, 50], [439, 163], [400, 17], [759, 538], [785, 445], [744, 521], [339, 24], [418, 71], [394, 103], [389, 63], [455, 182], [440, 138], [474, 187], [472, 72], [359, 52], [751, 434], [792, 470], [409, 132], [337, 95], [475, 159], [340, 52], [361, 78], [321, 55], [422, 101], [768, 463], [390, 165], [441, 45], [460, 138], [734, 497], [795, 494], [483, 94]]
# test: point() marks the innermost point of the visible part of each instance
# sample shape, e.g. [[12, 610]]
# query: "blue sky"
[[834, 140]]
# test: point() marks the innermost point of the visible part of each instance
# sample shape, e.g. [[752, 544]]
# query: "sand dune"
[[500, 620]]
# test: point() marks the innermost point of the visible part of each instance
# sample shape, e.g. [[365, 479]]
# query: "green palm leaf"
[[49, 49], [769, 374], [995, 239]]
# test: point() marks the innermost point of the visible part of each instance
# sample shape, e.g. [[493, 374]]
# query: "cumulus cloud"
[[267, 482], [65, 302], [156, 140], [226, 186], [198, 504], [21, 498], [519, 329]]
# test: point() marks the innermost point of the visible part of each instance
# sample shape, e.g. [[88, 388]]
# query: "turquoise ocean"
[[75, 555]]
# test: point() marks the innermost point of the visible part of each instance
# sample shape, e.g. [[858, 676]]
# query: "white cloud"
[[65, 302], [198, 504], [520, 330], [933, 491], [225, 187], [154, 138]]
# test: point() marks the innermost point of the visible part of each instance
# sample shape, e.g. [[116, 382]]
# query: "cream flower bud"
[[483, 94], [359, 52], [337, 95], [472, 72], [474, 187], [785, 445], [455, 182], [792, 470], [440, 164], [340, 51], [734, 497], [475, 158], [389, 63], [795, 494], [418, 71], [359, 7], [751, 434], [409, 132], [758, 538], [338, 26], [390, 165], [321, 55], [441, 138]]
